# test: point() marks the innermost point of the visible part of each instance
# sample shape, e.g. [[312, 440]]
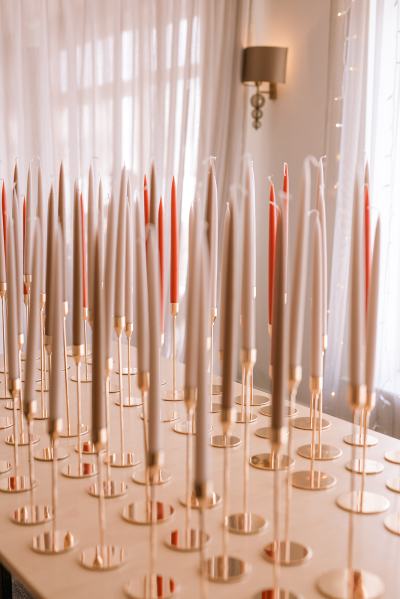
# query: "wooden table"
[[316, 520]]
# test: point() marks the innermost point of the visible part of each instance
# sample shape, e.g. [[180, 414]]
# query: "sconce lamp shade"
[[264, 63]]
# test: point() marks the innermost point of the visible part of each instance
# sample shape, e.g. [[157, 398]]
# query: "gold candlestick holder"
[[54, 540], [359, 437], [246, 522], [24, 439], [366, 466], [31, 513], [121, 459], [43, 414], [87, 377], [103, 556], [109, 487], [349, 582], [288, 552], [274, 549], [306, 423], [174, 394], [79, 469], [224, 567], [312, 479], [16, 483], [68, 432], [216, 389], [130, 401], [152, 585]]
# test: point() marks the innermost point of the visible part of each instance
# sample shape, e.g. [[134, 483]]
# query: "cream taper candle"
[[91, 237], [372, 318], [248, 281], [41, 213], [62, 217], [99, 430], [322, 217], [317, 303], [129, 264], [109, 275], [224, 266], [17, 223], [12, 311], [120, 267], [193, 291], [212, 236], [141, 294], [77, 312], [49, 267]]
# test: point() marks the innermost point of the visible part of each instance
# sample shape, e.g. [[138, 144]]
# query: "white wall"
[[292, 126]]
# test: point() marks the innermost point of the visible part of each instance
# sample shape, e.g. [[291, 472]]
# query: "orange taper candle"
[[146, 202], [161, 257], [271, 249], [367, 235], [174, 284], [84, 275]]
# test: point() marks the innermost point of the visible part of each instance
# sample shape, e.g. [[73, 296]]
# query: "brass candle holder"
[[151, 585], [358, 437], [68, 432], [87, 378], [43, 414], [363, 465], [110, 488], [121, 459], [16, 483], [54, 540], [312, 479], [79, 469], [103, 556], [349, 582], [246, 522], [130, 401], [224, 567], [174, 394]]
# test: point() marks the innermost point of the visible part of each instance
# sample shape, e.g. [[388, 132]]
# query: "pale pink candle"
[[212, 235], [322, 217], [248, 281], [141, 294], [372, 317], [191, 348], [316, 300]]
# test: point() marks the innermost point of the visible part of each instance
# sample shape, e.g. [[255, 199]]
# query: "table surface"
[[316, 520]]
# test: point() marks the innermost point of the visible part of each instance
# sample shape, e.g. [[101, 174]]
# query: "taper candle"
[[357, 310], [18, 263], [271, 249], [192, 316], [146, 206], [317, 304], [174, 282], [279, 337], [62, 217], [83, 242], [77, 315], [285, 216], [251, 188], [57, 388], [248, 282], [299, 283], [129, 264], [28, 227], [120, 268], [33, 335], [3, 276], [109, 274], [161, 259], [202, 465], [231, 316], [212, 236], [23, 238], [153, 197], [16, 179], [99, 430], [141, 294], [224, 266], [153, 287], [322, 218], [367, 234], [12, 311], [4, 211], [41, 212], [100, 229], [372, 317], [49, 267], [91, 236]]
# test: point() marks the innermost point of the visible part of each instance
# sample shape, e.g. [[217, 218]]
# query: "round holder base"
[[82, 470], [213, 500], [185, 427], [111, 488], [5, 422], [9, 405], [106, 557], [5, 466], [346, 584], [358, 441], [125, 371], [83, 379], [87, 448], [258, 400], [61, 542], [304, 423], [289, 411], [215, 407], [393, 457], [225, 568], [245, 523], [169, 395], [287, 554], [169, 416], [15, 484], [186, 540], [141, 512], [130, 402], [216, 389], [43, 415], [276, 594], [267, 461], [161, 478], [323, 453], [241, 418], [370, 466], [45, 454], [312, 480], [392, 523], [39, 390], [74, 433], [22, 439], [122, 460], [265, 432], [225, 441], [393, 484], [365, 503], [29, 515], [152, 586]]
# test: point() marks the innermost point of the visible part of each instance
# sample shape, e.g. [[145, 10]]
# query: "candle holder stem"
[[102, 507], [289, 495], [54, 491], [203, 538], [21, 411], [365, 414], [42, 364], [121, 398], [66, 379], [276, 566], [85, 346], [173, 356], [153, 542], [189, 437], [226, 499], [32, 480], [16, 398], [108, 452], [128, 338], [79, 410]]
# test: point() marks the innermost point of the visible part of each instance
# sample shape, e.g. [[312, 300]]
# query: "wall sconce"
[[263, 64]]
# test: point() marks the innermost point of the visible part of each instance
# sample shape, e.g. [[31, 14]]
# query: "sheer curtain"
[[123, 82]]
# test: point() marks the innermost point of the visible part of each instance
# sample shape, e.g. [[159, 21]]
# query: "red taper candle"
[[174, 283]]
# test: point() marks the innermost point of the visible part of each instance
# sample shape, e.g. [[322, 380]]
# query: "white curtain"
[[128, 82]]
